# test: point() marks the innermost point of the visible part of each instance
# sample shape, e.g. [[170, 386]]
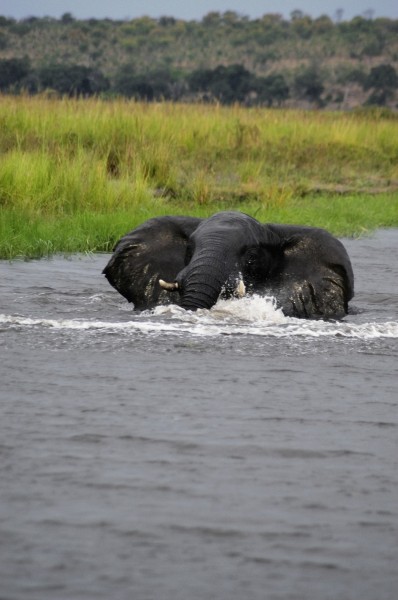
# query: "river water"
[[227, 454]]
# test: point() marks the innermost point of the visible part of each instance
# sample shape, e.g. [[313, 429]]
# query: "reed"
[[76, 174]]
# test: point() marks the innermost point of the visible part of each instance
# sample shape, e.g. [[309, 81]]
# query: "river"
[[231, 454]]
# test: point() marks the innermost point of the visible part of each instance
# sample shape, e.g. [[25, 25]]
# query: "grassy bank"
[[77, 174]]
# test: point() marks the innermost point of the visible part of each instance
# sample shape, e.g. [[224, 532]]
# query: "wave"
[[248, 316]]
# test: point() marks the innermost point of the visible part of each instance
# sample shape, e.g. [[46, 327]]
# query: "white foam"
[[256, 316]]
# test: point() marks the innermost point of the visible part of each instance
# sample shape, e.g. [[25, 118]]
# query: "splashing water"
[[255, 315]]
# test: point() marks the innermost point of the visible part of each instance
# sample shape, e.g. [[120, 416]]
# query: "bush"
[[272, 89], [309, 86], [160, 84], [383, 77], [383, 80], [225, 84], [72, 80], [12, 72]]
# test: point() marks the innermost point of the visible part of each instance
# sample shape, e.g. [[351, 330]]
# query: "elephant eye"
[[256, 263], [251, 256]]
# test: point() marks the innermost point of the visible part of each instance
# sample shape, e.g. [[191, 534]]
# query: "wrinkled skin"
[[306, 269]]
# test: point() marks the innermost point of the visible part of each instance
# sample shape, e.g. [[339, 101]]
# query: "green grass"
[[75, 175]]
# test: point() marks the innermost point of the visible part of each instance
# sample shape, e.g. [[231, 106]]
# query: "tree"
[[212, 19], [67, 18], [13, 71], [72, 80], [159, 84], [322, 25], [301, 24], [236, 84], [308, 85], [383, 80], [296, 15], [226, 84], [272, 89], [167, 21]]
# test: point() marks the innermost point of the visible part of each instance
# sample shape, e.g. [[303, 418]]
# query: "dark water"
[[233, 454]]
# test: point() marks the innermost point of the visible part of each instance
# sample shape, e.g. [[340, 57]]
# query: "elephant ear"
[[315, 279], [154, 250]]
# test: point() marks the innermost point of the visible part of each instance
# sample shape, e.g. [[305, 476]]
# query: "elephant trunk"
[[201, 292], [206, 278], [202, 281]]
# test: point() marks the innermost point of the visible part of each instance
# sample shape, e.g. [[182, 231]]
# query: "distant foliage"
[[226, 57], [12, 72], [71, 80], [309, 85], [382, 77], [159, 84], [383, 80], [272, 90], [236, 84], [225, 84]]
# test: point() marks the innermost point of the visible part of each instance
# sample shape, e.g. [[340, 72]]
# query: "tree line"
[[225, 57], [224, 84]]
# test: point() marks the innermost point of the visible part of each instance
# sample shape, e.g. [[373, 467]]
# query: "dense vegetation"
[[76, 174], [225, 57]]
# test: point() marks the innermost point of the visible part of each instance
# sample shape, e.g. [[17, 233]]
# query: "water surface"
[[168, 455]]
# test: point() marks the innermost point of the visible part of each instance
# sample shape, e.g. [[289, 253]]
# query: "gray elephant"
[[192, 262]]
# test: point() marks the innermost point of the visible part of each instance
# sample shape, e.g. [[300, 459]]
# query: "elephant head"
[[192, 262], [226, 255]]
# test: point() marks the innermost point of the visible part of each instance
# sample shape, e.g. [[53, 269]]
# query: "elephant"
[[192, 261]]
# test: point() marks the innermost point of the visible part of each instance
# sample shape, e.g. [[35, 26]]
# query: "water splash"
[[257, 316]]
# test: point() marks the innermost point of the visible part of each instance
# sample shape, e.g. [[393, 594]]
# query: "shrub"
[[72, 80], [308, 85], [383, 80], [155, 85], [12, 71]]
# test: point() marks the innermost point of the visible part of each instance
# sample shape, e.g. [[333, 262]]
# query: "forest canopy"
[[225, 57]]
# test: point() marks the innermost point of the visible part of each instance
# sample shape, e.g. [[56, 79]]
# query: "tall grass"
[[76, 174]]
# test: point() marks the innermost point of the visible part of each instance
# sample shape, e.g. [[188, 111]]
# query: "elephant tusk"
[[240, 289], [170, 287]]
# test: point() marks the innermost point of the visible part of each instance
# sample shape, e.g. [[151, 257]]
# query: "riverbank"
[[75, 175]]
